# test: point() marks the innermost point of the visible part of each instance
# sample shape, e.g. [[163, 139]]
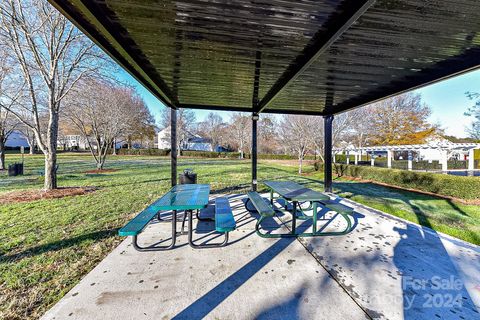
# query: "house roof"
[[281, 56]]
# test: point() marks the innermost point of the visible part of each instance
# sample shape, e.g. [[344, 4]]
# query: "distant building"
[[16, 140], [435, 149], [72, 142], [193, 142]]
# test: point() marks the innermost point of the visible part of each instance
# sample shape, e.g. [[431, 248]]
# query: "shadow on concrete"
[[209, 301], [431, 284], [288, 309]]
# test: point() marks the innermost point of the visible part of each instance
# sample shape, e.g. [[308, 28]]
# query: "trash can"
[[188, 177], [15, 169]]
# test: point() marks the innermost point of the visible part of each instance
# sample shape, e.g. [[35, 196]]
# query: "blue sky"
[[447, 100]]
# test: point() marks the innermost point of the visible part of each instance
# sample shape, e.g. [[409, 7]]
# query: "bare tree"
[[185, 124], [50, 56], [268, 141], [8, 123], [340, 129], [239, 130], [359, 126], [213, 128], [474, 111], [102, 112], [141, 123], [296, 133], [29, 135]]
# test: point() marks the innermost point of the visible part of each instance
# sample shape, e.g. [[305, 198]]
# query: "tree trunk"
[[50, 170], [2, 154], [300, 163], [51, 153]]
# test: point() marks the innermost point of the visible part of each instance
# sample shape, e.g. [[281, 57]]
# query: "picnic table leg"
[[160, 248], [271, 197], [294, 217], [202, 246], [183, 222], [315, 213]]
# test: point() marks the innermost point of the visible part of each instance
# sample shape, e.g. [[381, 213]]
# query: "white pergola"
[[445, 148]]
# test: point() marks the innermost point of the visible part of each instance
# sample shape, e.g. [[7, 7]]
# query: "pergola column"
[[444, 160], [410, 161], [348, 157], [254, 151], [389, 158], [356, 157], [471, 159], [328, 121], [173, 146], [372, 161]]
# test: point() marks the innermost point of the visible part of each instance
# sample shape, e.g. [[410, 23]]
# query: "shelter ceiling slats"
[[218, 42], [205, 53], [391, 43]]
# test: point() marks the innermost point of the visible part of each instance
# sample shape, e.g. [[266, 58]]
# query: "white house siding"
[[195, 143], [164, 139], [430, 154]]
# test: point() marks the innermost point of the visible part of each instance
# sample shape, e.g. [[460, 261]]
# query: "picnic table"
[[297, 194], [186, 197]]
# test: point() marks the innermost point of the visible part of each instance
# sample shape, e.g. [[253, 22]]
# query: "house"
[[191, 141], [16, 140], [72, 142]]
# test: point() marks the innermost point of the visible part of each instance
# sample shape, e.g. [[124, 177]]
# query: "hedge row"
[[442, 184], [144, 152], [206, 154], [343, 158], [211, 154], [236, 155], [417, 165]]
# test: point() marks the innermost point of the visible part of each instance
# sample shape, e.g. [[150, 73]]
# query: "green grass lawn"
[[46, 246]]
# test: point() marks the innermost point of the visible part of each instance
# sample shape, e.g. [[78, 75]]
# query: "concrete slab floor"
[[385, 268]]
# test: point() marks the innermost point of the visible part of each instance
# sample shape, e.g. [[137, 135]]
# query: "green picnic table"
[[297, 194], [186, 197]]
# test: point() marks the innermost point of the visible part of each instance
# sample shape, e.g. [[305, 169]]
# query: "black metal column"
[[173, 145], [254, 151], [328, 120]]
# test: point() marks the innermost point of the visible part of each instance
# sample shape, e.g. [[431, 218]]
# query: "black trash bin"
[[188, 177], [15, 169]]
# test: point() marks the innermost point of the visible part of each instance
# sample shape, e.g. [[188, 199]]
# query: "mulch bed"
[[100, 171], [32, 195]]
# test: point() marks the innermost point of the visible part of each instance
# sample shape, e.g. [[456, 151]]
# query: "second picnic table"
[[296, 193]]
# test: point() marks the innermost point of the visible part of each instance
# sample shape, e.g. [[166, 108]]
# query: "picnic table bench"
[[297, 194], [186, 197]]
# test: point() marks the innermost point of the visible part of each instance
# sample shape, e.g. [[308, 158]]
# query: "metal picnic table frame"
[[186, 197], [296, 194]]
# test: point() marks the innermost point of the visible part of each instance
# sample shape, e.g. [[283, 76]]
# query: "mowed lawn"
[[46, 246]]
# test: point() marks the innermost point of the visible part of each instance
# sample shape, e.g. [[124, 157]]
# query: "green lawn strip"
[[46, 246]]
